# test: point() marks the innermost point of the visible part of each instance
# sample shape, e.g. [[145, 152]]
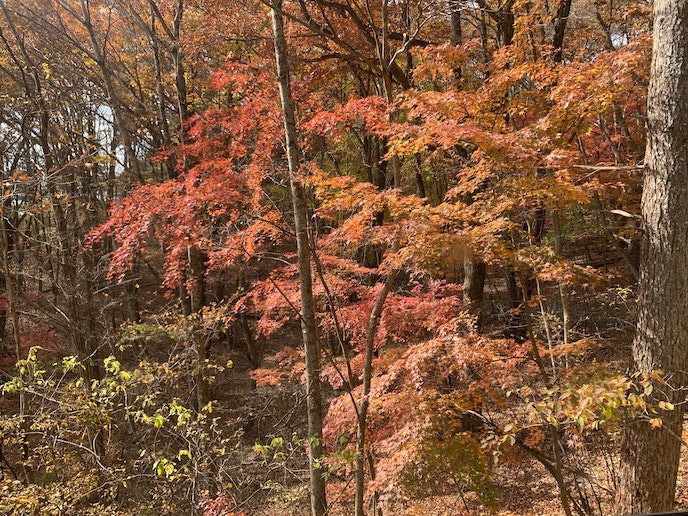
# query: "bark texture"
[[649, 461], [308, 323]]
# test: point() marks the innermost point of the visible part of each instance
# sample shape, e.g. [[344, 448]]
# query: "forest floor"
[[525, 487], [525, 490]]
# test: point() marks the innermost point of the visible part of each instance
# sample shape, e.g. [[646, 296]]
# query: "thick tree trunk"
[[649, 460], [559, 22], [308, 323], [474, 286]]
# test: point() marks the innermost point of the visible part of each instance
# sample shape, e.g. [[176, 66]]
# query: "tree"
[[308, 322], [502, 148], [650, 456]]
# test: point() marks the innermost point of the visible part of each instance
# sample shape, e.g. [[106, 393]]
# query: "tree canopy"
[[418, 222]]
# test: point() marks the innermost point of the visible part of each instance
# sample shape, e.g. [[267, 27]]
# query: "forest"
[[343, 257]]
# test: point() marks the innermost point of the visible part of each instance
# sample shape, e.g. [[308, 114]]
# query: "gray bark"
[[308, 323], [649, 459]]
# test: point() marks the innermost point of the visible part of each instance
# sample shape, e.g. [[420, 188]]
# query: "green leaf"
[[159, 420]]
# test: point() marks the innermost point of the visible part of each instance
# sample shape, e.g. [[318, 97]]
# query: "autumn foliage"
[[148, 220]]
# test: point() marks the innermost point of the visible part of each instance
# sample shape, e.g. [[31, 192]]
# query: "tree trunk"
[[252, 349], [559, 22], [373, 323], [308, 323], [475, 271], [563, 288], [649, 458]]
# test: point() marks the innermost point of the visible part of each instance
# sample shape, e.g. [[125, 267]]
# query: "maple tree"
[[457, 183]]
